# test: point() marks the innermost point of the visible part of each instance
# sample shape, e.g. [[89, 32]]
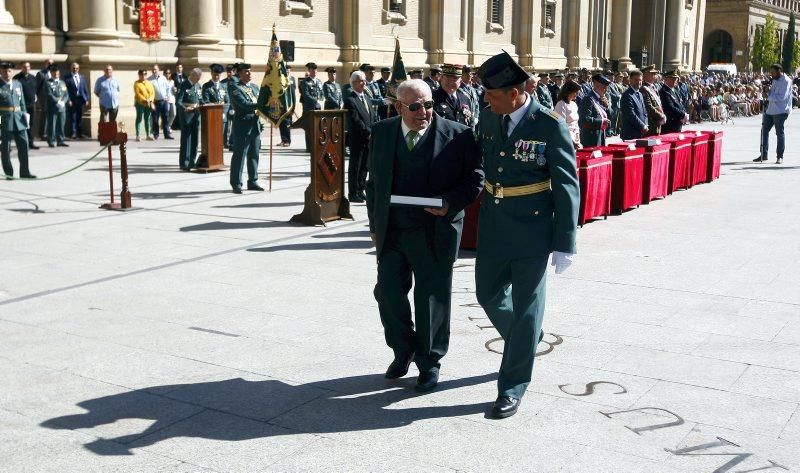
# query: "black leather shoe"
[[28, 176], [254, 187], [237, 190], [50, 145], [399, 367], [427, 380], [504, 407], [541, 336], [759, 159], [63, 144], [362, 195], [355, 199], [169, 137]]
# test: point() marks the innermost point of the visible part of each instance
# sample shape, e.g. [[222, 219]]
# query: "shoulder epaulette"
[[552, 114]]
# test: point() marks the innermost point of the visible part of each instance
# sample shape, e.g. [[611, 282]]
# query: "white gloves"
[[561, 261]]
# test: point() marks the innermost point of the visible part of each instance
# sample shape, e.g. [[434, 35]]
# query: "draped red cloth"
[[714, 154], [680, 160], [626, 180], [699, 157], [469, 235], [595, 177]]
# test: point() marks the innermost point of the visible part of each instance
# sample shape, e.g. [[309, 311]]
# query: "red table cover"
[[626, 178], [714, 154], [594, 176], [469, 234], [680, 160], [699, 157], [655, 179]]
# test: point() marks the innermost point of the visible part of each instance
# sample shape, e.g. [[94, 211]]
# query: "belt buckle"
[[497, 191]]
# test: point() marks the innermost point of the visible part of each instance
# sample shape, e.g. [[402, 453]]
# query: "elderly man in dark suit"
[[78, 91], [360, 117], [594, 116], [420, 155], [633, 114]]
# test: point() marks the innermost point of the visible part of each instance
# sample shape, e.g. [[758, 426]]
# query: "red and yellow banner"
[[150, 20]]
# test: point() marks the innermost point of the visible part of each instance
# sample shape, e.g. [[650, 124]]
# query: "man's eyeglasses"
[[428, 104]]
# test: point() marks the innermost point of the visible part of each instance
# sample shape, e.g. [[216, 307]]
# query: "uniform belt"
[[10, 109], [498, 191]]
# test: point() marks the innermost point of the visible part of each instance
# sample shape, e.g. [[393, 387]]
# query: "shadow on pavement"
[[767, 167], [176, 195], [146, 169], [235, 226], [198, 410], [356, 234], [259, 205], [333, 245]]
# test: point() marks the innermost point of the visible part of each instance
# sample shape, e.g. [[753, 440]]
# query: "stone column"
[[621, 30], [197, 31], [659, 19], [91, 23], [673, 34], [5, 16]]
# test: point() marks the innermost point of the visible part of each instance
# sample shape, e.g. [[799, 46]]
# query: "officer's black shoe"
[[399, 367], [362, 195], [51, 145], [28, 176], [169, 137], [254, 187], [237, 190], [427, 380], [504, 406], [759, 159], [541, 336], [355, 199], [62, 144]]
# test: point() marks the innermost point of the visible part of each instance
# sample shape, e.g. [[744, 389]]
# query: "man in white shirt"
[[161, 87], [780, 104]]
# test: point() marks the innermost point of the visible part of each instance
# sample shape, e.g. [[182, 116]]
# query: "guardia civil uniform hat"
[[330, 70], [559, 75], [572, 74], [366, 67], [217, 68], [53, 68], [601, 79], [230, 67], [454, 70], [672, 74], [6, 65], [466, 70], [386, 69], [311, 65], [544, 74], [501, 71], [243, 66]]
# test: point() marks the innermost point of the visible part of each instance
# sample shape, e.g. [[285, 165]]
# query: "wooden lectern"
[[324, 196], [210, 159]]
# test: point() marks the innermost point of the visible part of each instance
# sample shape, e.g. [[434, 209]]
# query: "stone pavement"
[[205, 333]]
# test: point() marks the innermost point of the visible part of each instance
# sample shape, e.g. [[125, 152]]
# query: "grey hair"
[[413, 85], [197, 72], [357, 75]]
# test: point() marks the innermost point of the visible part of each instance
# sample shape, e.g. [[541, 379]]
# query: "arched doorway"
[[719, 47]]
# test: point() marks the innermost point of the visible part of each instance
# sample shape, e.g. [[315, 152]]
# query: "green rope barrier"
[[84, 163]]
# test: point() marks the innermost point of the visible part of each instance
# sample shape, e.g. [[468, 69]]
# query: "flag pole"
[[271, 132]]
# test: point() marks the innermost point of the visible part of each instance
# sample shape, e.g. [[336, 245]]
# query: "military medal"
[[540, 159], [517, 150]]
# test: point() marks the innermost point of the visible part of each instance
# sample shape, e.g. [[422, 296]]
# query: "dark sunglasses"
[[428, 104]]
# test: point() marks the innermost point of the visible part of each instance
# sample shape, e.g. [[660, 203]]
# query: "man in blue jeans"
[[780, 104], [161, 112]]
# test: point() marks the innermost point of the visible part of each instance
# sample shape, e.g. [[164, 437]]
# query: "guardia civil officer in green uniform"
[[529, 209], [543, 90], [231, 77], [56, 107], [332, 91], [189, 101], [246, 130], [310, 96], [13, 124], [215, 92], [593, 114]]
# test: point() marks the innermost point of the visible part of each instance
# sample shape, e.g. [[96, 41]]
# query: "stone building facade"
[[731, 26], [543, 34]]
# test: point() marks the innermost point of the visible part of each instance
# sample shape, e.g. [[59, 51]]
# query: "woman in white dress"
[[567, 108]]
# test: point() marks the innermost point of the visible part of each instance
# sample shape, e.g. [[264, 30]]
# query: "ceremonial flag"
[[275, 103], [398, 68]]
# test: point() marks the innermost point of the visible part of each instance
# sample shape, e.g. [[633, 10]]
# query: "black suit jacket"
[[359, 118], [29, 86], [633, 115], [455, 174], [78, 95]]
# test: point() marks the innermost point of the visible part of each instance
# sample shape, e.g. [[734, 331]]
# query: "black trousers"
[[407, 254], [286, 130], [31, 111], [357, 166]]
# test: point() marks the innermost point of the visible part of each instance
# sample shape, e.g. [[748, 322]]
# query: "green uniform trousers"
[[512, 292], [20, 138], [246, 146], [405, 253], [55, 126]]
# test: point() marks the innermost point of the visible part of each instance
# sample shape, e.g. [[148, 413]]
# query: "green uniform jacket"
[[190, 95], [455, 175], [310, 93], [244, 106], [333, 95], [536, 224], [213, 96], [57, 96], [543, 94], [13, 120], [590, 120]]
